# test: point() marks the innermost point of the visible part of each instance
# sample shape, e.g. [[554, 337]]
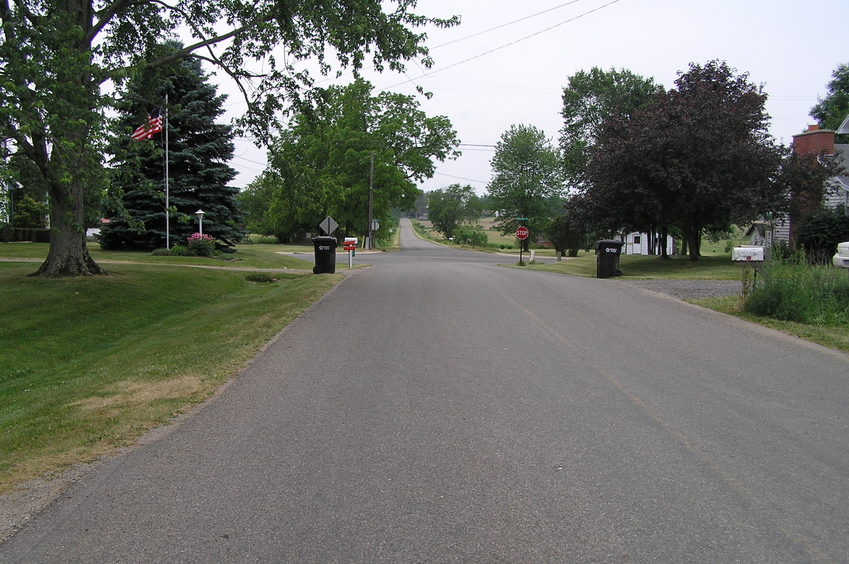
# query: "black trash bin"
[[607, 258], [325, 255]]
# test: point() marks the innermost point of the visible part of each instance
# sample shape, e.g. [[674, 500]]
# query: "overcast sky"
[[486, 79]]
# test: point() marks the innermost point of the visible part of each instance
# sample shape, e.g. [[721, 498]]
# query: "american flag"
[[148, 130]]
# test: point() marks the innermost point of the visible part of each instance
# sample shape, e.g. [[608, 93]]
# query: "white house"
[[770, 231]]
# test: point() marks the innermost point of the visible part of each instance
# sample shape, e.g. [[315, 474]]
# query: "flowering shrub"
[[201, 245]]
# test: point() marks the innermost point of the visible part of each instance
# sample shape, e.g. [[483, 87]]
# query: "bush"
[[476, 237], [161, 253], [201, 245], [179, 251], [25, 234], [814, 295], [821, 232]]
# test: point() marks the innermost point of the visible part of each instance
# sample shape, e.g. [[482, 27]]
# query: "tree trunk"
[[694, 240], [68, 255], [661, 243], [71, 166]]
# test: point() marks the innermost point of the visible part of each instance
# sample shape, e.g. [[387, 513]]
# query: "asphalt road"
[[439, 408]]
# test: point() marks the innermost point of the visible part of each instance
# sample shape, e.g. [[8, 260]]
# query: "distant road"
[[440, 408]]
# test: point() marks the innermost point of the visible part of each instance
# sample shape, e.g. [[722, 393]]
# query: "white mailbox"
[[747, 254]]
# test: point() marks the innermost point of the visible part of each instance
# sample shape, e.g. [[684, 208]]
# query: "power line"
[[504, 46], [506, 24], [461, 178]]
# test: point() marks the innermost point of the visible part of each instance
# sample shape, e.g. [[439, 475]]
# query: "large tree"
[[57, 57], [834, 108], [452, 207], [198, 174], [354, 147], [591, 98], [696, 156], [527, 180]]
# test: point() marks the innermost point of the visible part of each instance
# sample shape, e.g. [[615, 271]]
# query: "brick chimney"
[[814, 140]]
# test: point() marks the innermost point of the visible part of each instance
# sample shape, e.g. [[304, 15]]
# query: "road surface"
[[438, 407]]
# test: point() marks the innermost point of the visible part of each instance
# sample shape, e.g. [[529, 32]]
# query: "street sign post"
[[522, 233]]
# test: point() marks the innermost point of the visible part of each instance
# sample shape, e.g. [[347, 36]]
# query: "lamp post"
[[199, 213]]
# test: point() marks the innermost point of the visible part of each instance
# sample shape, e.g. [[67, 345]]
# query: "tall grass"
[[813, 295]]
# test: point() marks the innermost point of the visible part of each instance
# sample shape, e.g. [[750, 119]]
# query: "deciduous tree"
[[452, 207], [696, 156], [527, 180], [834, 108], [57, 57], [335, 153], [590, 98]]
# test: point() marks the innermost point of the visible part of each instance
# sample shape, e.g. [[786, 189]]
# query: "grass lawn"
[[246, 256], [90, 364], [710, 267]]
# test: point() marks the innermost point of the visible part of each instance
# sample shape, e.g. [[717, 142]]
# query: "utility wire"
[[506, 24], [570, 20]]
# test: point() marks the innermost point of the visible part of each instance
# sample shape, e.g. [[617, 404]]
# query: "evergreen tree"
[[198, 151]]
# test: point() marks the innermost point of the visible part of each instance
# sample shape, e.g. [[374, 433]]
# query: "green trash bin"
[[607, 258], [325, 255]]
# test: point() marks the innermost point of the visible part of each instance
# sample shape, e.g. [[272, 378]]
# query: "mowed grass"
[[246, 256], [91, 364], [709, 267]]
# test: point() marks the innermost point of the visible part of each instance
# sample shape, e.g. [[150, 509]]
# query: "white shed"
[[643, 243]]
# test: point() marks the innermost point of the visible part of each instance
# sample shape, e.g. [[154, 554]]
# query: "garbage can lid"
[[609, 243]]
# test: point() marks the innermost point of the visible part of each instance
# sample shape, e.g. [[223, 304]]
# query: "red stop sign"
[[522, 233]]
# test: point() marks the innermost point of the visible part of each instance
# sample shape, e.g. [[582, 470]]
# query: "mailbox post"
[[750, 256], [350, 245]]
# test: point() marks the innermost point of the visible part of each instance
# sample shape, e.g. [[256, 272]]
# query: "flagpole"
[[167, 208]]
